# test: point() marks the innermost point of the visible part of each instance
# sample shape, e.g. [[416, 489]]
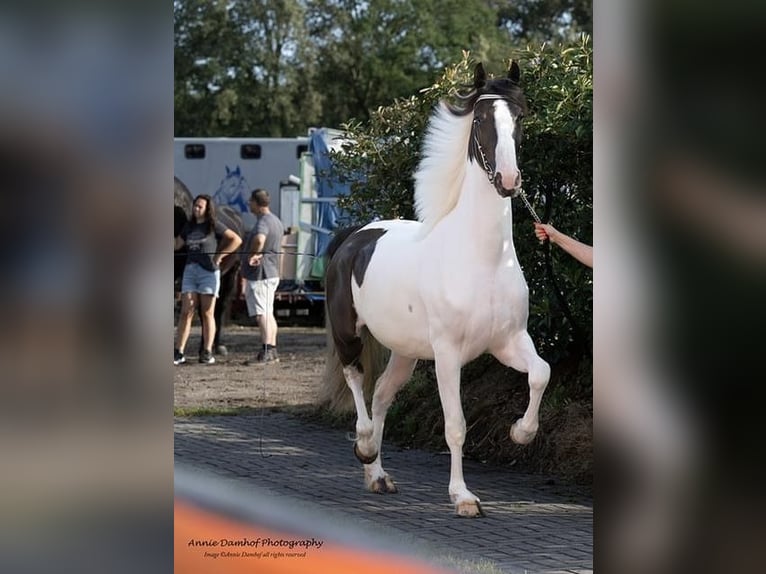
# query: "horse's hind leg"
[[397, 373], [355, 380], [520, 354], [223, 308]]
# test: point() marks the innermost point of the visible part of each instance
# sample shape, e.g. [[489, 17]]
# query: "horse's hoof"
[[469, 509], [384, 485], [520, 436], [221, 350], [362, 458]]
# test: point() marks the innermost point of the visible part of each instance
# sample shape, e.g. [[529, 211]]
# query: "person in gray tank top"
[[261, 258]]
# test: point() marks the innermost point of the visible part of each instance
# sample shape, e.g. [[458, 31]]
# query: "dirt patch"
[[291, 383]]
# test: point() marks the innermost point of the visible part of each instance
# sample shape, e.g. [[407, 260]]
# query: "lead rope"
[[531, 209]]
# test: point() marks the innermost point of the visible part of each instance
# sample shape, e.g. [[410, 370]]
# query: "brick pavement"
[[532, 524]]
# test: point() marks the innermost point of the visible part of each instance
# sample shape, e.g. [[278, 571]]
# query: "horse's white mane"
[[440, 174]]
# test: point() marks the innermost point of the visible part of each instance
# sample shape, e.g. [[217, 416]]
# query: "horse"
[[182, 208], [447, 287], [182, 211], [233, 190]]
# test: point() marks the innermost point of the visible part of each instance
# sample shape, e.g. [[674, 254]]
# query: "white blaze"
[[505, 152]]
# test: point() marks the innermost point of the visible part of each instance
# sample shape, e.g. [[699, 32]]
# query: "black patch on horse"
[[348, 259]]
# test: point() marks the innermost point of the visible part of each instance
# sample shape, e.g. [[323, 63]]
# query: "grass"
[[215, 411], [470, 566], [309, 411]]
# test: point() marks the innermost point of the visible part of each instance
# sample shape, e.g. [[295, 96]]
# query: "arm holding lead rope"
[[580, 251]]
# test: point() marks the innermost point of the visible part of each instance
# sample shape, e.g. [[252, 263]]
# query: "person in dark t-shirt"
[[201, 281]]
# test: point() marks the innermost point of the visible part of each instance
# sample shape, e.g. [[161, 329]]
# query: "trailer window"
[[300, 150], [250, 151], [194, 151]]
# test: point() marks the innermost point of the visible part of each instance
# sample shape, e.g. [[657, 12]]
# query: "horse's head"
[[232, 190], [498, 105]]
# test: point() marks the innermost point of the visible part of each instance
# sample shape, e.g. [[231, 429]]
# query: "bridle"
[[492, 176], [491, 173]]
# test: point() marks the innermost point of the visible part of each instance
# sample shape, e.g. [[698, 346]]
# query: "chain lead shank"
[[523, 196]]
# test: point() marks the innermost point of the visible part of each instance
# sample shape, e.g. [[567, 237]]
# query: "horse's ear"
[[514, 73], [479, 76], [227, 170]]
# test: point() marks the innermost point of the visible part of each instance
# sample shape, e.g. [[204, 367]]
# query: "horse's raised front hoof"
[[384, 485], [469, 509], [221, 350], [364, 459], [521, 436]]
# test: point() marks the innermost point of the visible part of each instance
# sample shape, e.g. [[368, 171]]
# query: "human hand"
[[255, 260], [544, 232]]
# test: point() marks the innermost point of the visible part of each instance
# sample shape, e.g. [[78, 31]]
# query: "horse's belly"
[[407, 343], [395, 315]]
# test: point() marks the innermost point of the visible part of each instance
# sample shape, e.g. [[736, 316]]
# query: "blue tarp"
[[329, 216]]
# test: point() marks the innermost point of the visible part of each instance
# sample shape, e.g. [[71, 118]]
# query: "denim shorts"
[[197, 279]]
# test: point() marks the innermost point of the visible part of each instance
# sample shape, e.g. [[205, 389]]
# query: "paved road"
[[532, 524]]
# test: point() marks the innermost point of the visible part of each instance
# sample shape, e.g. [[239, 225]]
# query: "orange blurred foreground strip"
[[206, 542]]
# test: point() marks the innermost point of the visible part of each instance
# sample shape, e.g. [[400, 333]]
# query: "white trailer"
[[228, 169]]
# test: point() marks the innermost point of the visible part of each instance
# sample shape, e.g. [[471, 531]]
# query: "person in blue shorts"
[[207, 242]]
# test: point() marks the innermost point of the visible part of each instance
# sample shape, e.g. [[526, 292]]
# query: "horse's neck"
[[485, 217]]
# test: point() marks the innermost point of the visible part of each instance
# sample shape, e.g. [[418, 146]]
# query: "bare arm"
[[580, 251], [233, 241], [256, 249], [178, 242]]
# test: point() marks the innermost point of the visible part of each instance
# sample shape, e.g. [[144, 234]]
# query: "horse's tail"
[[334, 392]]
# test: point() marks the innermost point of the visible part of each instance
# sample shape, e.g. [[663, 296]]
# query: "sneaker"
[[206, 358], [264, 356], [268, 356], [178, 357]]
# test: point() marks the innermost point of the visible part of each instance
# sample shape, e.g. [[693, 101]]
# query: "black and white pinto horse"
[[447, 287], [182, 210]]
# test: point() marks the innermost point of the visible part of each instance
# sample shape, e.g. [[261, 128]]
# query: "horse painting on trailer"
[[447, 287]]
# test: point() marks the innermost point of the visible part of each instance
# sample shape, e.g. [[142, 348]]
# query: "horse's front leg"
[[448, 377], [519, 353]]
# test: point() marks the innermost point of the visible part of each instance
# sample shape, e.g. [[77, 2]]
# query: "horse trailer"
[[228, 169]]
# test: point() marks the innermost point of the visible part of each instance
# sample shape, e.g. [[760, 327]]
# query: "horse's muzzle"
[[513, 192]]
